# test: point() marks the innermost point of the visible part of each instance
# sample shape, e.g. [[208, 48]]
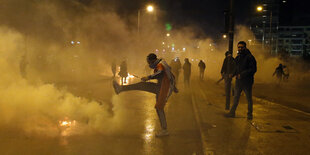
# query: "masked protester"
[[163, 88], [245, 70], [227, 72]]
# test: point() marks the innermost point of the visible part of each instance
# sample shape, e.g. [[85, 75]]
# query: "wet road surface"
[[135, 127]]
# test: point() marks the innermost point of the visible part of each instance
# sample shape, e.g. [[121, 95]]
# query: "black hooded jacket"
[[246, 66]]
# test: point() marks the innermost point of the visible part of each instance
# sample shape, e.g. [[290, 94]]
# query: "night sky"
[[208, 14]]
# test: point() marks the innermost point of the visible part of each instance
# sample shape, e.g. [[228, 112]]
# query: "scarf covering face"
[[153, 65]]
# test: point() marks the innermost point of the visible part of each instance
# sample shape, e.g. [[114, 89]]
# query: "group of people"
[[243, 67], [187, 69]]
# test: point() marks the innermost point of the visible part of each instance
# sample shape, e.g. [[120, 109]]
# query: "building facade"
[[294, 40]]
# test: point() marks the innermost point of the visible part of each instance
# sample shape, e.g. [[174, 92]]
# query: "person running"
[[279, 73], [163, 88], [202, 67]]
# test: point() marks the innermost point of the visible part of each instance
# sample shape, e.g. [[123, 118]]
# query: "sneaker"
[[162, 133], [117, 87], [231, 115]]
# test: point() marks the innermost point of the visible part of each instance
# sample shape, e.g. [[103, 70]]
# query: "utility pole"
[[231, 26], [270, 32]]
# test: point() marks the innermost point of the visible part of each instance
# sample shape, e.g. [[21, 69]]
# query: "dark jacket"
[[187, 69], [229, 66], [202, 65], [246, 67]]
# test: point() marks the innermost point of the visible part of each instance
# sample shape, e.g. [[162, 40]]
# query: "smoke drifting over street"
[[47, 42]]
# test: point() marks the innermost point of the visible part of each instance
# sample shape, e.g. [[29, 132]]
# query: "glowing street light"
[[168, 34], [224, 36], [259, 8], [150, 8]]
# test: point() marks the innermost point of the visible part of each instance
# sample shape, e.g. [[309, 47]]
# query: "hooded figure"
[[163, 88]]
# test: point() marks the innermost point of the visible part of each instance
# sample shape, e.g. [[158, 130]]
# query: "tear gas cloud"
[[36, 53]]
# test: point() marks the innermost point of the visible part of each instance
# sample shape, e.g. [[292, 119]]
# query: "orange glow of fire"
[[126, 80]]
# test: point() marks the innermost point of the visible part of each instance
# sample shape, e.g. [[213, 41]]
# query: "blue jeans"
[[247, 88]]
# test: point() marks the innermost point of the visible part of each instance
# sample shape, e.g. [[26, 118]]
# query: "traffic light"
[[168, 26]]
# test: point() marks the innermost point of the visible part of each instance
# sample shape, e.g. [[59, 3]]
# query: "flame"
[[66, 123], [126, 80]]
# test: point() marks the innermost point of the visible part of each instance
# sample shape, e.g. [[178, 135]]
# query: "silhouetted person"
[[279, 73], [163, 88], [227, 72], [113, 68], [286, 73], [187, 71], [202, 67], [245, 70], [123, 72], [175, 68]]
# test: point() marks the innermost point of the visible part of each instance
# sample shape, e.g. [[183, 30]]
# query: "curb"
[[267, 102]]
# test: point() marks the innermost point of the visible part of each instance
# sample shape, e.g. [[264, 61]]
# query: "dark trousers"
[[247, 88], [227, 91], [152, 88], [143, 86]]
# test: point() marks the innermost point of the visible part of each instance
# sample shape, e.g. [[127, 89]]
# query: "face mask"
[[152, 66]]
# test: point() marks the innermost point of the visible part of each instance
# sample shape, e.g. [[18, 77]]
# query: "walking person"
[[227, 72], [245, 70], [187, 72], [123, 72], [202, 67], [163, 88], [175, 68]]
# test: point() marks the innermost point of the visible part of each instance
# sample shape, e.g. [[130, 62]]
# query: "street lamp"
[[150, 9], [168, 34], [259, 8], [224, 36]]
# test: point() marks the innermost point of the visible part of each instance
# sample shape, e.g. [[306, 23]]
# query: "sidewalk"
[[288, 94], [274, 129]]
